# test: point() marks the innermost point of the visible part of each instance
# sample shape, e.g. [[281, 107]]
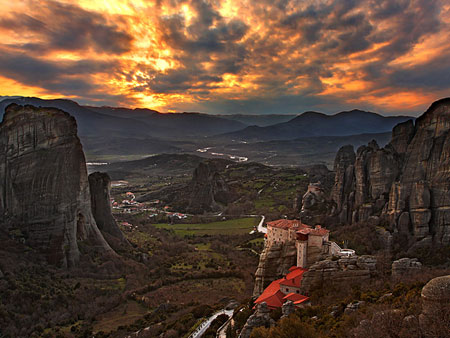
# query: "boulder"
[[435, 296], [405, 266], [435, 317], [261, 318], [287, 308], [352, 307]]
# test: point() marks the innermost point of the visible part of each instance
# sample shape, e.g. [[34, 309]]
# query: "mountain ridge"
[[310, 124]]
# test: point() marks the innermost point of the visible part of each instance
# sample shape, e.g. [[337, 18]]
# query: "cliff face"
[[274, 263], [346, 270], [100, 185], [207, 188], [405, 185], [44, 191]]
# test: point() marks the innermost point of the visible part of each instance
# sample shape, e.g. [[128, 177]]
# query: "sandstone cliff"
[[100, 185], [44, 192], [208, 188], [274, 263], [346, 270], [404, 186]]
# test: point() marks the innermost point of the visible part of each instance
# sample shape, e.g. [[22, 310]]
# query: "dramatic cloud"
[[266, 56]]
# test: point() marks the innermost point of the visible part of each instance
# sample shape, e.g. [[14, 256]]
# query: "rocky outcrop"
[[261, 318], [435, 298], [405, 185], [405, 266], [100, 185], [274, 263], [348, 270], [434, 321], [208, 188], [435, 317], [287, 308], [343, 190], [44, 192], [353, 307], [313, 196]]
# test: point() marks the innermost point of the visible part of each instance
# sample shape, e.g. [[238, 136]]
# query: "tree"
[[290, 327]]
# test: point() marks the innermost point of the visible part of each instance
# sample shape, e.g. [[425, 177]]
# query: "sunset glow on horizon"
[[282, 56]]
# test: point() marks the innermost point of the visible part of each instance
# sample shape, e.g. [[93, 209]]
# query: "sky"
[[229, 56]]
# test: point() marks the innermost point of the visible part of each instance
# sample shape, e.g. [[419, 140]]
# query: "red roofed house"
[[284, 289]]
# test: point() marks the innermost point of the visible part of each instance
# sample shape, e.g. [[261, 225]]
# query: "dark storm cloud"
[[71, 78], [21, 22], [209, 38], [419, 19], [68, 27], [433, 75], [261, 56], [34, 71], [271, 105], [182, 80]]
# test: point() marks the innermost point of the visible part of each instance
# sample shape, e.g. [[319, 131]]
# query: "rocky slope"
[[404, 186], [44, 194]]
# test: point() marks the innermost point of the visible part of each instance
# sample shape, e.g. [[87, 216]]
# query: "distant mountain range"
[[174, 125], [108, 132], [258, 120], [108, 121], [313, 124]]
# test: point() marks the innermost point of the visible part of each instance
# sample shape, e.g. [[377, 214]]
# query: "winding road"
[[261, 228], [205, 325]]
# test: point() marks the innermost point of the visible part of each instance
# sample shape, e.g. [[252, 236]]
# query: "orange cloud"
[[228, 56]]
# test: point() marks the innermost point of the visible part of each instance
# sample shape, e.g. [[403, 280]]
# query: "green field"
[[229, 227]]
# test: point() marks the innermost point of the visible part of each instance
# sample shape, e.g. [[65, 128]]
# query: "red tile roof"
[[296, 298], [296, 224], [317, 231], [272, 295], [294, 277], [286, 223]]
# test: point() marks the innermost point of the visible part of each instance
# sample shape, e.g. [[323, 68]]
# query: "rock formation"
[[434, 321], [405, 266], [44, 192], [287, 308], [435, 299], [313, 196], [261, 318], [208, 188], [274, 263], [405, 185], [100, 185], [347, 270]]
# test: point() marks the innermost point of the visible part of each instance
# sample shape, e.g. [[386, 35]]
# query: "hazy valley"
[[175, 231]]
